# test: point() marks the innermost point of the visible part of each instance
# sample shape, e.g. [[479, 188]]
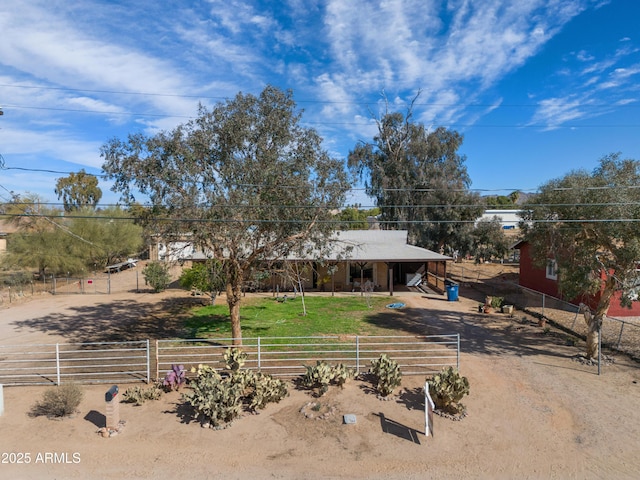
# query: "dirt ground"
[[533, 412]]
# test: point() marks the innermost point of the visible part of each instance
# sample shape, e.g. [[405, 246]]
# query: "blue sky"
[[537, 87]]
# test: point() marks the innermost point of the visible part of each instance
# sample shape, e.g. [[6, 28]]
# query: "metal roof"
[[379, 246]]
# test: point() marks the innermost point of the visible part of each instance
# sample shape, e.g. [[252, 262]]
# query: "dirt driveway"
[[534, 411]]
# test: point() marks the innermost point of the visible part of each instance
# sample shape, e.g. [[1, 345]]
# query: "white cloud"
[[58, 144]]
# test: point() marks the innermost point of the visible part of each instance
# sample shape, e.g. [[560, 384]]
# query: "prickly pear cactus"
[[387, 373], [342, 373], [234, 358], [318, 377], [218, 400], [447, 388]]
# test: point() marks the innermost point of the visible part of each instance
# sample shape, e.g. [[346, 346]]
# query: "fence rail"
[[287, 356], [102, 283], [128, 362], [46, 364]]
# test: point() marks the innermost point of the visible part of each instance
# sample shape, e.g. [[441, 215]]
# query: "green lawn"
[[266, 317]]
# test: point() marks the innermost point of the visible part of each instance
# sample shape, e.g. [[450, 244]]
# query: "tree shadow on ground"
[[489, 334], [115, 321]]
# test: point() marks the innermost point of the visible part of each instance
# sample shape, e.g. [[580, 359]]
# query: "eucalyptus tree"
[[419, 181], [588, 223], [78, 190], [489, 240], [244, 181]]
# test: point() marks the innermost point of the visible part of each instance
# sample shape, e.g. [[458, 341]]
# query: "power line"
[[359, 189]]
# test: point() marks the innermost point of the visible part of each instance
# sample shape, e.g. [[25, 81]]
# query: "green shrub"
[[447, 389], [387, 373], [156, 274], [496, 302], [58, 401]]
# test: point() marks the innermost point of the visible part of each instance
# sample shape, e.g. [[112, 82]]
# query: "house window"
[[552, 270], [356, 272]]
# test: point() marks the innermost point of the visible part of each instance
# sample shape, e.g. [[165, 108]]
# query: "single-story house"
[[545, 280], [377, 259]]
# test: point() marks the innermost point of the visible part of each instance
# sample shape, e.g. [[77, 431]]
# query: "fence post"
[[259, 355], [357, 355], [58, 363], [148, 364], [157, 360], [599, 348], [620, 336], [458, 352], [543, 297]]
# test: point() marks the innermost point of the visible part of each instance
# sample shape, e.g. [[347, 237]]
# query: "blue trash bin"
[[452, 292]]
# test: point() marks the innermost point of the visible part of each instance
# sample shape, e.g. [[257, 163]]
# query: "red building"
[[545, 280]]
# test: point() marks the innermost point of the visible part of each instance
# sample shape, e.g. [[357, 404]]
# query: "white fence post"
[[148, 363], [58, 363], [357, 355], [428, 411], [259, 355], [1, 400]]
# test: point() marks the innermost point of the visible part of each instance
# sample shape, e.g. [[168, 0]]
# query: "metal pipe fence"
[[138, 361], [287, 356], [97, 284], [58, 363]]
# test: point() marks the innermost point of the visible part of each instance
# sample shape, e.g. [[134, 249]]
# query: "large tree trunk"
[[234, 295], [592, 339], [594, 321]]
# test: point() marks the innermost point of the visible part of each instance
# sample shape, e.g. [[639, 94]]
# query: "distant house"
[[509, 219], [545, 280], [378, 259]]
